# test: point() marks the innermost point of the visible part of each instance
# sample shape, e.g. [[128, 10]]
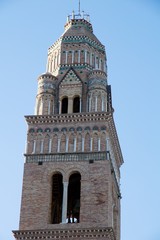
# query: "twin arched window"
[[75, 105], [73, 200]]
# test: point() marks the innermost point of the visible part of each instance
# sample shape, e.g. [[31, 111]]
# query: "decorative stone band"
[[106, 117], [66, 118], [67, 157], [83, 39], [97, 74], [78, 66], [74, 233]]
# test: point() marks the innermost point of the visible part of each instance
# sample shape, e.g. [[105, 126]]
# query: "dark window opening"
[[57, 197], [65, 105], [76, 105], [73, 207]]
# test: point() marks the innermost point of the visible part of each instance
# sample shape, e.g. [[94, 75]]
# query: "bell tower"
[[71, 183]]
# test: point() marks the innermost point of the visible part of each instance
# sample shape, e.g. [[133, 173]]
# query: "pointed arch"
[[46, 143], [103, 141], [71, 143], [87, 143], [79, 142], [63, 143], [95, 142], [30, 144], [55, 143], [39, 143]]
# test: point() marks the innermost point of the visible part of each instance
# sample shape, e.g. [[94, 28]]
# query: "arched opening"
[[73, 206], [57, 197], [76, 105], [64, 105]]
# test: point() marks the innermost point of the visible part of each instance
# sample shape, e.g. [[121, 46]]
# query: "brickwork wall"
[[76, 67], [42, 139], [36, 196]]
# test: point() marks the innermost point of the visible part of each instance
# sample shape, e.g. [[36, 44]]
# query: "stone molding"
[[69, 118], [82, 233], [67, 157]]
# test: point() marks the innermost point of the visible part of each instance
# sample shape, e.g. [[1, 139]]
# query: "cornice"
[[103, 117], [83, 39], [114, 136], [74, 233], [68, 118]]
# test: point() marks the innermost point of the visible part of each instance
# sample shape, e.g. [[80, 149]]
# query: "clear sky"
[[130, 30]]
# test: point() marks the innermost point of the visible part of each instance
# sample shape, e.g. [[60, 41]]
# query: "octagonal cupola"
[[78, 47]]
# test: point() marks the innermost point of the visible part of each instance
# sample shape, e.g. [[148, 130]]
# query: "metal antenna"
[[79, 7]]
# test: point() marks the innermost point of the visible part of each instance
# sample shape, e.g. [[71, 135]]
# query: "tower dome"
[[78, 47]]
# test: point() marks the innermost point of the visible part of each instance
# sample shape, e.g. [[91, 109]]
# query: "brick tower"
[[71, 183]]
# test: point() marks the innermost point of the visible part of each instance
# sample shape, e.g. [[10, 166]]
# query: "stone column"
[[96, 104], [75, 144], [70, 105], [59, 107], [107, 148], [102, 103], [82, 144], [49, 107], [58, 148], [64, 206], [67, 140], [79, 56], [41, 147], [85, 56], [100, 66], [42, 105], [66, 57], [53, 108], [50, 145], [90, 101], [91, 144], [72, 56], [80, 107], [34, 146], [99, 144]]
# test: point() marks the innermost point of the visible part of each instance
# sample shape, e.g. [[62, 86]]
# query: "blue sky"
[[130, 30]]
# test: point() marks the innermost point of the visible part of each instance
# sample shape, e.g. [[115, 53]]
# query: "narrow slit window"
[[73, 207], [65, 105], [57, 198], [76, 105]]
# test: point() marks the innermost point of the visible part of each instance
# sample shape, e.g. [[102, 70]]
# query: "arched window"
[[65, 105], [73, 206], [57, 197], [76, 105]]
